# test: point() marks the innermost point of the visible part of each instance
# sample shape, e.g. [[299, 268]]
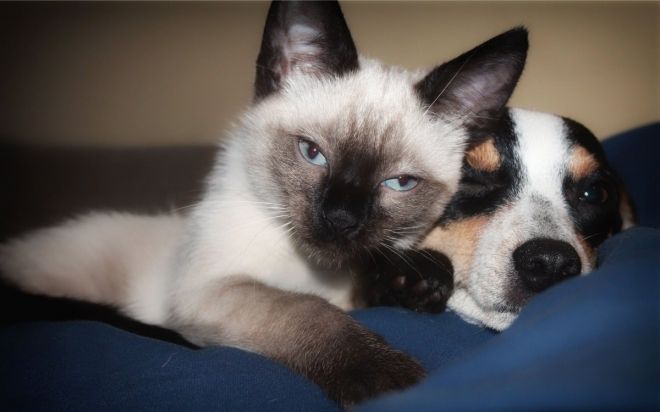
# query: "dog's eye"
[[595, 193]]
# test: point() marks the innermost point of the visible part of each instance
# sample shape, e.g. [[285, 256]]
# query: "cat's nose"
[[342, 223], [540, 263]]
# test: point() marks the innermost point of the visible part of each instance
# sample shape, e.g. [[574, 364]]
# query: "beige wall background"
[[178, 73]]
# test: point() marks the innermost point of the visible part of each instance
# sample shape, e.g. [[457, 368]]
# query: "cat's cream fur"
[[240, 268], [153, 268]]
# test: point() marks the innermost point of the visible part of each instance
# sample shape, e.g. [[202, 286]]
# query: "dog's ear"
[[477, 85], [307, 36]]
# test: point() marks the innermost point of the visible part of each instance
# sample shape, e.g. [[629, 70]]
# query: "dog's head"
[[536, 199]]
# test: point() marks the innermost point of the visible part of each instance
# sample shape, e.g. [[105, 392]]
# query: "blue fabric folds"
[[635, 156], [591, 343]]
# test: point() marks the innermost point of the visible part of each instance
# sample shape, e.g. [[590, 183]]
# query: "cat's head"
[[360, 156]]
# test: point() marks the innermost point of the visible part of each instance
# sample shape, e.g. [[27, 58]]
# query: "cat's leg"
[[417, 279], [304, 332], [116, 259]]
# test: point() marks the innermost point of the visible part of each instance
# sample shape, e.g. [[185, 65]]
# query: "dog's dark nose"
[[541, 263]]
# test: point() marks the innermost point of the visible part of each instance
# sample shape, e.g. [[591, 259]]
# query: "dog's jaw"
[[463, 304]]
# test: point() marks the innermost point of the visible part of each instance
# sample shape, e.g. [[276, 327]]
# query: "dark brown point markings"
[[484, 157], [581, 163]]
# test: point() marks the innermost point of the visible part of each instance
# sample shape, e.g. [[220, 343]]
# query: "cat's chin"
[[329, 260], [332, 256]]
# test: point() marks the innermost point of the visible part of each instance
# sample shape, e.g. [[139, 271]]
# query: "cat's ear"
[[310, 36], [477, 85]]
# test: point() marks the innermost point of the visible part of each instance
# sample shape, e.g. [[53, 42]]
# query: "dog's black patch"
[[579, 135], [598, 218], [595, 199], [482, 192]]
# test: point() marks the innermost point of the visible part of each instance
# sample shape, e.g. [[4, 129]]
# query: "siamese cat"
[[338, 157]]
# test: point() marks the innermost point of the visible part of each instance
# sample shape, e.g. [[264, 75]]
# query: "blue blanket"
[[589, 343]]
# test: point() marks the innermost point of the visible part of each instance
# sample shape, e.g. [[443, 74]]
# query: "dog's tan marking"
[[581, 163], [589, 251], [626, 210], [458, 240], [484, 156]]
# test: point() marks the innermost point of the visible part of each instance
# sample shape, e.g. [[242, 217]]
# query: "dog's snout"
[[540, 263]]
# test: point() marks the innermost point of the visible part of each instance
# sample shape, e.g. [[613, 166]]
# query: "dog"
[[536, 199]]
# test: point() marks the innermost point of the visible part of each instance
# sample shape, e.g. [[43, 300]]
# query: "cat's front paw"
[[365, 366], [418, 279]]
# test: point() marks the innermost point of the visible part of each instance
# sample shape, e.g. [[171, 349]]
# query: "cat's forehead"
[[377, 102], [374, 110]]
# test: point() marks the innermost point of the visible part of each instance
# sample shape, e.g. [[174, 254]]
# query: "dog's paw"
[[421, 280], [362, 366]]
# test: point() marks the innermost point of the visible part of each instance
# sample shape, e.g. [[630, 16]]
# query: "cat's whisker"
[[390, 239], [593, 235], [248, 202], [402, 233], [403, 258], [415, 227], [241, 200], [430, 257], [371, 256], [268, 206], [239, 226], [383, 254], [287, 234], [425, 254], [394, 240], [405, 228], [184, 207], [460, 69]]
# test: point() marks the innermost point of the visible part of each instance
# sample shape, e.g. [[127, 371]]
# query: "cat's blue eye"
[[401, 183], [312, 153]]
